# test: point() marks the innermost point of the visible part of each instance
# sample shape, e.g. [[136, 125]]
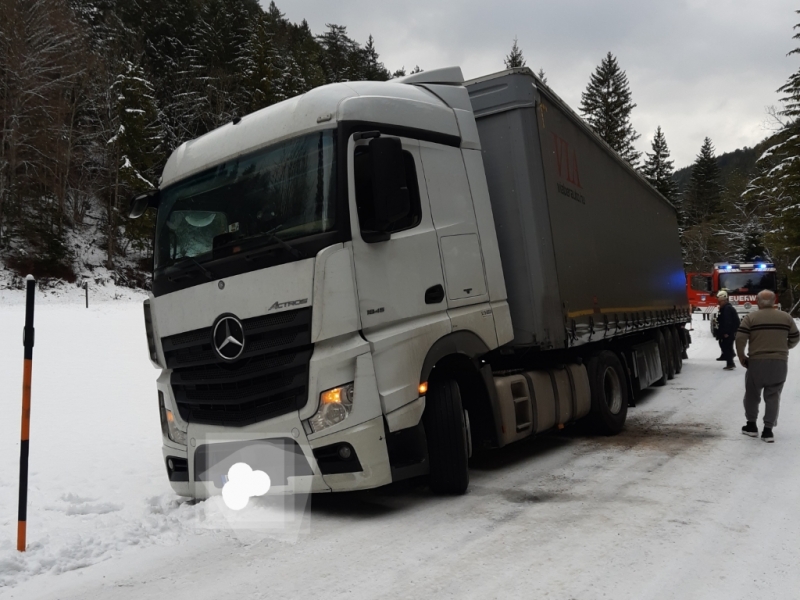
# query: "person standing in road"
[[727, 324], [771, 333]]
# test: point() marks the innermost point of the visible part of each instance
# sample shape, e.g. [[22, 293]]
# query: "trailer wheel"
[[677, 350], [609, 388], [663, 354], [447, 437], [670, 344]]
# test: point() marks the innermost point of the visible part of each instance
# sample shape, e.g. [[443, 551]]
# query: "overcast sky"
[[696, 67]]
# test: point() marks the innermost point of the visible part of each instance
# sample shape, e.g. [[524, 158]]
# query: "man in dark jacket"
[[727, 324]]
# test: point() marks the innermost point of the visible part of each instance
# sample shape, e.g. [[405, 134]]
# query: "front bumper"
[[287, 456]]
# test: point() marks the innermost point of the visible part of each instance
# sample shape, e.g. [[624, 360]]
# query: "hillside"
[[742, 160]]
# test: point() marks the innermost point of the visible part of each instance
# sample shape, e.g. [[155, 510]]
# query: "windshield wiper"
[[194, 264], [271, 236]]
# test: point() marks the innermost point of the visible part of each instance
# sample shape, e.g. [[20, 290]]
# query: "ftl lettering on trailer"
[[567, 165], [566, 161]]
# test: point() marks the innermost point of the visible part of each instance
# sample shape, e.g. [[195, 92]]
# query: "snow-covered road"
[[680, 505]]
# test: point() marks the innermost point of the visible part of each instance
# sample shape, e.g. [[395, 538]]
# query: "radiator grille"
[[269, 379]]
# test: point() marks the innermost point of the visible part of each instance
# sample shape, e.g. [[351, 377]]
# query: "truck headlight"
[[169, 426], [334, 407]]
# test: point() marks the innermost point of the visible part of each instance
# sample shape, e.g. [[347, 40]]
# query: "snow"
[[680, 505]]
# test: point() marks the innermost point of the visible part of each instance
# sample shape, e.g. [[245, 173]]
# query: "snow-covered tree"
[[262, 66], [658, 169], [515, 59], [340, 60], [776, 185], [220, 42], [742, 224], [606, 105]]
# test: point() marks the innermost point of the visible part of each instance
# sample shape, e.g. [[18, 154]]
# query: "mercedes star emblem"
[[229, 338]]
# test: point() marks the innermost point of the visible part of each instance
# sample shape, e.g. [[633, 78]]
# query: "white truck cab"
[[316, 286]]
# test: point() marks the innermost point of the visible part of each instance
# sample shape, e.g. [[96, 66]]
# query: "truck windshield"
[[747, 283], [285, 191]]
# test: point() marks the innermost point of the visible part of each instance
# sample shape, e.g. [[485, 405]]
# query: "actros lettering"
[[288, 303]]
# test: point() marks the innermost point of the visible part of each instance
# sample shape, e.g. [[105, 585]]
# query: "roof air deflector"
[[445, 75]]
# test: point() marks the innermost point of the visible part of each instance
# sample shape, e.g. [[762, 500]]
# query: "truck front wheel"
[[446, 433], [609, 390]]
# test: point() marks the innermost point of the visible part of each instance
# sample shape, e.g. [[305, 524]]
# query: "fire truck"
[[700, 291], [743, 281]]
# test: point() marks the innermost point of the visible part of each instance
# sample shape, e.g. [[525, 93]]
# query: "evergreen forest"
[[96, 94]]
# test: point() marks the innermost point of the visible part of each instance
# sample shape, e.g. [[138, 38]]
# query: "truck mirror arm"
[[142, 202]]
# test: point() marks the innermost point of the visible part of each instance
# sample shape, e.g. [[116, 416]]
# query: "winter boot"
[[767, 436], [750, 429]]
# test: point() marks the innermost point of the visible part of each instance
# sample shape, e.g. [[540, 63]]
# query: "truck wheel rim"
[[613, 390]]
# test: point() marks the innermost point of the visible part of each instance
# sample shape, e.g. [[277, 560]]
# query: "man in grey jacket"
[[771, 333]]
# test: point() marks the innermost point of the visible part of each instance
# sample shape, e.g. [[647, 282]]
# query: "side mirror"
[[142, 202], [389, 188]]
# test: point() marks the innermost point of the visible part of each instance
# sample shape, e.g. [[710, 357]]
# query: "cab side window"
[[365, 201]]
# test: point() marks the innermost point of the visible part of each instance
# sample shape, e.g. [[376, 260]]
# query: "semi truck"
[[373, 280]]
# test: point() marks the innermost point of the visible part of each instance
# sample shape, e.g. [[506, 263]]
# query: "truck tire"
[[669, 340], [446, 433], [663, 354], [677, 350], [609, 389]]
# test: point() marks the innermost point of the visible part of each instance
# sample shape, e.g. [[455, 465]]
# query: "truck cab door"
[[399, 271], [454, 218]]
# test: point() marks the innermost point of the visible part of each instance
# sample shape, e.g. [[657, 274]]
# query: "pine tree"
[[305, 53], [140, 140], [338, 60], [658, 169], [373, 69], [606, 105], [515, 59], [262, 66], [703, 195], [542, 76]]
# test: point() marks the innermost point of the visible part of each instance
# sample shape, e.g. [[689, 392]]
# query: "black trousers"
[[726, 345]]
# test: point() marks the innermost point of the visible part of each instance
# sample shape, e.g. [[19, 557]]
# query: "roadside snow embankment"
[[96, 479]]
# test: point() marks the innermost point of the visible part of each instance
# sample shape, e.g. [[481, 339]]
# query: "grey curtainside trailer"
[[590, 250]]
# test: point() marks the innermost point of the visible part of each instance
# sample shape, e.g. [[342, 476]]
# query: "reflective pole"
[[27, 342]]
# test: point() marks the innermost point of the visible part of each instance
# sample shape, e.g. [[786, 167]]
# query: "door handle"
[[434, 295]]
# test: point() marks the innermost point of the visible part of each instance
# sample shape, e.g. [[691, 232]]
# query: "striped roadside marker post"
[[27, 342]]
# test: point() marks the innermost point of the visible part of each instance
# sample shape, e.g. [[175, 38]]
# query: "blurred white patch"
[[244, 483]]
